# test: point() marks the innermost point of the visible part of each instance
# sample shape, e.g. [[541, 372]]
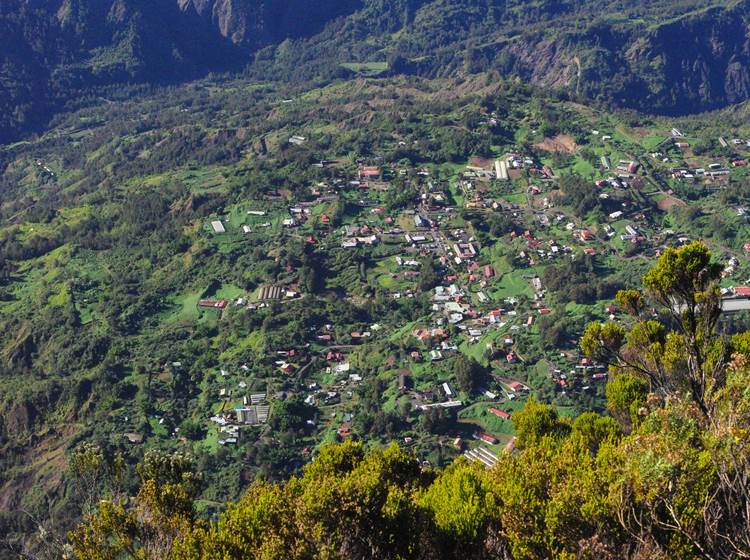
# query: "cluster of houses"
[[712, 172], [716, 172], [582, 375], [253, 411], [465, 307]]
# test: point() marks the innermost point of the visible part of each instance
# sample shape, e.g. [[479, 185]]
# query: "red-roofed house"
[[515, 386], [344, 431], [421, 334], [499, 413], [287, 368], [492, 440], [369, 173], [220, 304]]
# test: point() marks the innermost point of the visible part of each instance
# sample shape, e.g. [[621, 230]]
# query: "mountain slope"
[[670, 56], [57, 49]]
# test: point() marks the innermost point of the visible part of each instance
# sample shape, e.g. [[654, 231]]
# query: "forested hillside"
[[57, 51], [673, 57]]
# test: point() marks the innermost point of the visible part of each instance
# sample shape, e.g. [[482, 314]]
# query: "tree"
[[428, 274], [192, 430], [463, 506], [690, 357], [435, 420], [347, 504], [536, 421], [626, 394], [162, 513], [469, 373], [593, 430], [94, 473]]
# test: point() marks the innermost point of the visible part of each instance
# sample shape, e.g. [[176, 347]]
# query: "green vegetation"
[[76, 55], [177, 276], [643, 486]]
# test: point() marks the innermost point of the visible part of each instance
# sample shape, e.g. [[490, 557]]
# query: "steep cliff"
[[53, 49], [696, 60]]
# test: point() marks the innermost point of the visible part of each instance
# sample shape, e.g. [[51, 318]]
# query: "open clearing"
[[665, 204], [562, 143]]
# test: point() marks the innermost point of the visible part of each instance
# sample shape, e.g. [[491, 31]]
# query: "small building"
[[287, 368], [499, 413], [487, 438], [212, 304], [516, 387], [344, 431], [369, 172], [270, 292], [447, 390]]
